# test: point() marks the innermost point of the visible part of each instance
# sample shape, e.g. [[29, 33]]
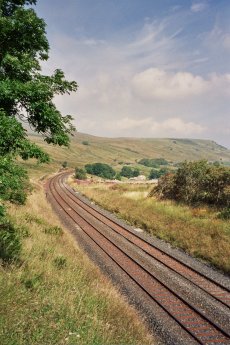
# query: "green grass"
[[56, 295], [196, 230]]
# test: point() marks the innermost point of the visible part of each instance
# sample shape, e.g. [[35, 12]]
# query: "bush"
[[224, 214], [14, 181], [64, 164], [197, 182], [10, 243], [154, 173], [101, 170], [80, 174], [129, 172], [153, 163], [85, 142]]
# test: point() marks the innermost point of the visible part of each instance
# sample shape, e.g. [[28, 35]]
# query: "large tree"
[[25, 93]]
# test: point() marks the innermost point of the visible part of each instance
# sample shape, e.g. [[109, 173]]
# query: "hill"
[[86, 148]]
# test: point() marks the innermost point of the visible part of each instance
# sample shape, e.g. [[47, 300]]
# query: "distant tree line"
[[153, 163], [105, 171]]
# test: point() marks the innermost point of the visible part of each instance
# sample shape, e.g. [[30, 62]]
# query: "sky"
[[145, 68]]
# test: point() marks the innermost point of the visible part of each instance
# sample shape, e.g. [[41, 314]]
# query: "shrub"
[[10, 244], [14, 181], [129, 172], [80, 174], [153, 163], [154, 173], [64, 164], [85, 142], [101, 169], [196, 182], [225, 213]]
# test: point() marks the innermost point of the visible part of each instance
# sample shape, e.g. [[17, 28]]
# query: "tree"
[[25, 95], [80, 174], [154, 173], [129, 172], [197, 182], [100, 169], [24, 92]]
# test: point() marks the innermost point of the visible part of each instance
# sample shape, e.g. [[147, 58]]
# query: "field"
[[198, 231], [56, 295], [117, 152]]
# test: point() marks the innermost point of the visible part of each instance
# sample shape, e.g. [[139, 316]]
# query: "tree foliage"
[[129, 172], [13, 181], [157, 173], [197, 182], [153, 163], [80, 174], [25, 95], [100, 169], [10, 243], [24, 91]]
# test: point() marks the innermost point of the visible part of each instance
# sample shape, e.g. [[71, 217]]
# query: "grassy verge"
[[57, 296], [196, 230]]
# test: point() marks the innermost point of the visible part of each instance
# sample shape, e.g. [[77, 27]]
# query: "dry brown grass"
[[57, 296], [197, 231]]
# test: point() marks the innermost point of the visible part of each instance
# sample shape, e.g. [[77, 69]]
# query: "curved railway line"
[[196, 307]]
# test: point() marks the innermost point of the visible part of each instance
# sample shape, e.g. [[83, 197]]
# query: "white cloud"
[[198, 6], [148, 126], [144, 86], [156, 83]]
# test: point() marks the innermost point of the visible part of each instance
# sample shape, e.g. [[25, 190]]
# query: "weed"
[[33, 282], [60, 262], [24, 231], [31, 218], [53, 230], [225, 213], [10, 242]]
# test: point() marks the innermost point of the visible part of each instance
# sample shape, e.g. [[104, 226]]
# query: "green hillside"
[[86, 148]]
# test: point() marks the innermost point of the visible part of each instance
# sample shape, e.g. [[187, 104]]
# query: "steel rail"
[[216, 290], [196, 324]]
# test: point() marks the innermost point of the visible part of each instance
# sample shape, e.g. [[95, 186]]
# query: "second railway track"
[[195, 303]]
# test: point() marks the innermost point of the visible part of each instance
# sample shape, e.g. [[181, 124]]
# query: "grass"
[[198, 231], [56, 295], [122, 151]]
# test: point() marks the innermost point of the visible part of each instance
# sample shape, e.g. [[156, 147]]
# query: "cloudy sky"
[[145, 68]]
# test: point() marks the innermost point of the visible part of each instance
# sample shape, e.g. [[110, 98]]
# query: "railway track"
[[196, 306]]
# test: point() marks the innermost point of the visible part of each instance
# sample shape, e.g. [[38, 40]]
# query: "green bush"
[[101, 169], [129, 172], [154, 173], [10, 243], [85, 142], [225, 213], [64, 164], [80, 174], [197, 182], [14, 181], [153, 163]]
